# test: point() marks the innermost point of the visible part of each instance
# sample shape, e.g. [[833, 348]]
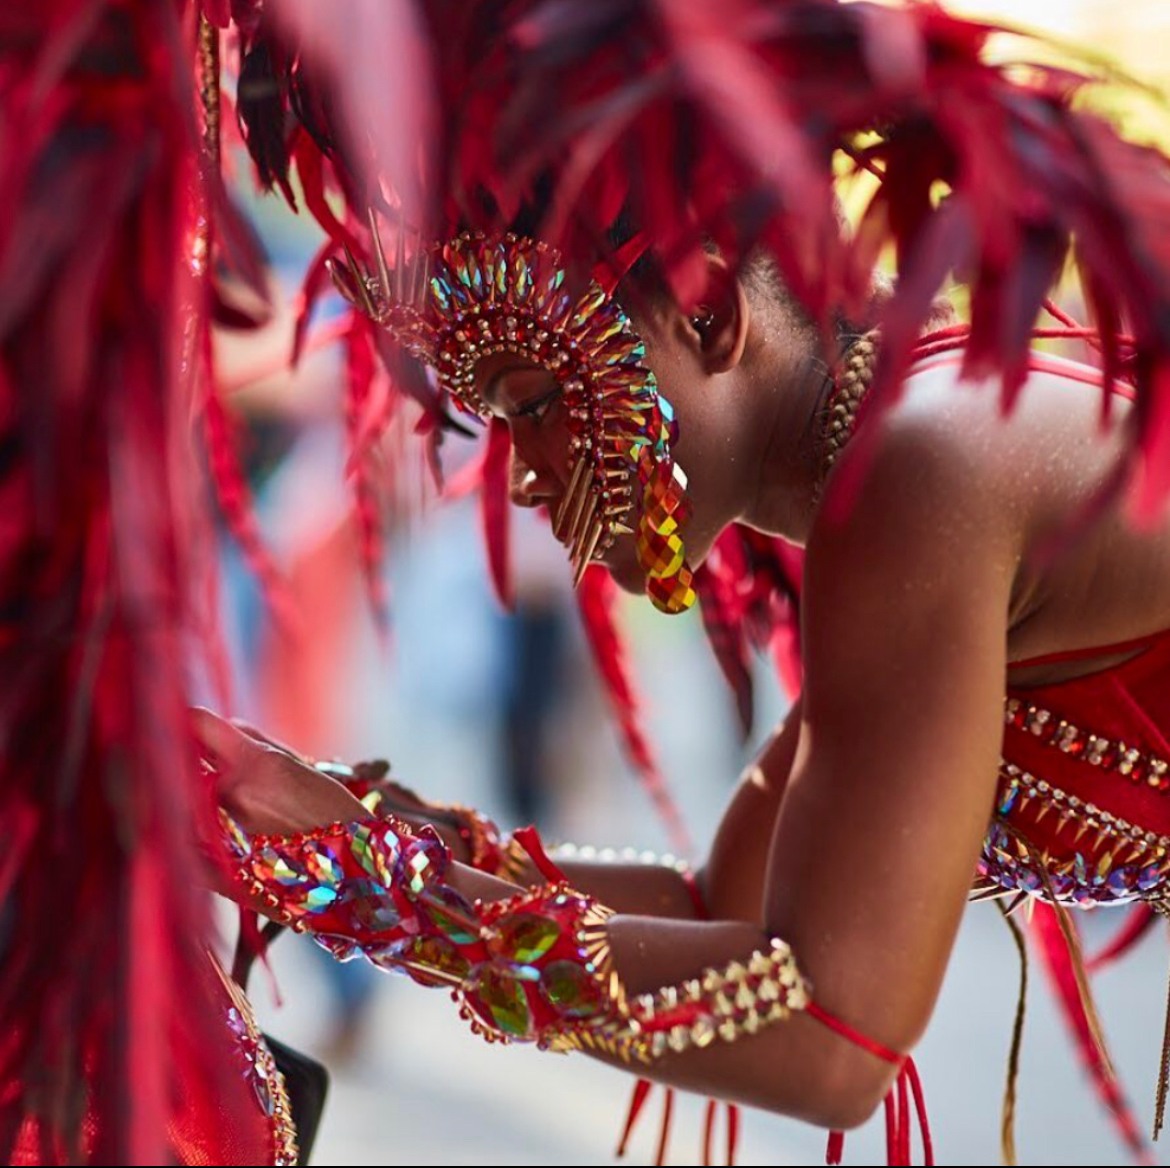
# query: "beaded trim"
[[1101, 752], [263, 1074], [1024, 786], [570, 851], [738, 999], [725, 1003], [1134, 865], [516, 865]]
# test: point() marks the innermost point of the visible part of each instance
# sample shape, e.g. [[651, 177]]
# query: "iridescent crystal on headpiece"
[[476, 295]]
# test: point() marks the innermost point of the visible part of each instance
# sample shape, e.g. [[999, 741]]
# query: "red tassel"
[[1060, 962], [1138, 923], [637, 1102], [664, 1131], [732, 1133], [903, 1119], [911, 1072], [835, 1148], [891, 1109]]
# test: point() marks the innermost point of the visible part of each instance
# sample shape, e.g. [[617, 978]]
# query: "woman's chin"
[[621, 562]]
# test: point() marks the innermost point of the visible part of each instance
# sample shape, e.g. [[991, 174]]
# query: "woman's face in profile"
[[531, 400]]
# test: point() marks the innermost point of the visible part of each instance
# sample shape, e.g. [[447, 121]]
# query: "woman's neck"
[[813, 416]]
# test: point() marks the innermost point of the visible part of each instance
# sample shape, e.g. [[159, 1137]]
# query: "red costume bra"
[[1083, 807]]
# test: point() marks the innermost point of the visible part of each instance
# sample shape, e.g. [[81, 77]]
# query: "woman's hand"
[[266, 787]]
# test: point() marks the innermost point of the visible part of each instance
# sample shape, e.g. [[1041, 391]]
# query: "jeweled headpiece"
[[460, 301]]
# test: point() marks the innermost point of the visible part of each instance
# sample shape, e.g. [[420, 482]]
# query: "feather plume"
[[102, 805], [597, 601], [993, 171]]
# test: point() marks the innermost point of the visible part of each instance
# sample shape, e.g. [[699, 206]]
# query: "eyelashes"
[[536, 409]]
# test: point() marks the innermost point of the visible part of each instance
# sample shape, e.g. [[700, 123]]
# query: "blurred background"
[[503, 711]]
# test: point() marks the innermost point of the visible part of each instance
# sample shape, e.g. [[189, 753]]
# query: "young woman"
[[639, 278], [984, 704]]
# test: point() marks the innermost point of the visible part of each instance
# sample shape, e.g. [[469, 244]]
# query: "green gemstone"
[[527, 938], [572, 991], [439, 955], [500, 1001]]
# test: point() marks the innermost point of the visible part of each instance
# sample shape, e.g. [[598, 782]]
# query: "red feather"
[[749, 591], [597, 600], [102, 1000], [1060, 952], [360, 372], [494, 503]]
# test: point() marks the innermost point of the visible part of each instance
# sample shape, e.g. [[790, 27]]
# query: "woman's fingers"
[[267, 788], [224, 745], [259, 735]]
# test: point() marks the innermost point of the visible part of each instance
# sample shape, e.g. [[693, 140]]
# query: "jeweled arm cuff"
[[724, 1003], [535, 967], [523, 969], [370, 782]]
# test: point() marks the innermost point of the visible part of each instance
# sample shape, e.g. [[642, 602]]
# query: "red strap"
[[855, 1036], [695, 893], [897, 1103], [529, 839]]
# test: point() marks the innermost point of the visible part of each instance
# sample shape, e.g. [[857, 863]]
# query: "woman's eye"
[[536, 409]]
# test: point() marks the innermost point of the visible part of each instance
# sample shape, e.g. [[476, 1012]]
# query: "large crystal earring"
[[665, 510]]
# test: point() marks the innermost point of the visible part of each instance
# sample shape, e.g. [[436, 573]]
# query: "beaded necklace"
[[844, 402]]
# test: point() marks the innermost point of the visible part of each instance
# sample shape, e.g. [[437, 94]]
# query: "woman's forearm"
[[797, 1066]]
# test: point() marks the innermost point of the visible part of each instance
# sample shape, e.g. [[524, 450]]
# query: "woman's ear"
[[720, 320]]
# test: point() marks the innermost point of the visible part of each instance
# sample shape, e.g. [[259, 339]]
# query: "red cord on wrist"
[[695, 893]]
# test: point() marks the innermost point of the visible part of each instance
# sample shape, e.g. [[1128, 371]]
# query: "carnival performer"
[[642, 282]]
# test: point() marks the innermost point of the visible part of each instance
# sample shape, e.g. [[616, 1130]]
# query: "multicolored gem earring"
[[455, 303]]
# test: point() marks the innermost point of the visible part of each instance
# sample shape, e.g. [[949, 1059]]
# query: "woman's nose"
[[528, 487]]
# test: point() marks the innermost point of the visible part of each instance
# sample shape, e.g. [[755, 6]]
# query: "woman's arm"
[[728, 885], [891, 791], [875, 844]]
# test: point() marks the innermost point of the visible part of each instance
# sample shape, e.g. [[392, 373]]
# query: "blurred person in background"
[[540, 663]]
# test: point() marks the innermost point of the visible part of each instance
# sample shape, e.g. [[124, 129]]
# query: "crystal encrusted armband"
[[535, 967]]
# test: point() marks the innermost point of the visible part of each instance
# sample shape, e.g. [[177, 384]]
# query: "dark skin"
[[840, 838]]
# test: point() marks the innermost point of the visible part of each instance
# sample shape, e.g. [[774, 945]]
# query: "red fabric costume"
[[1100, 744]]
